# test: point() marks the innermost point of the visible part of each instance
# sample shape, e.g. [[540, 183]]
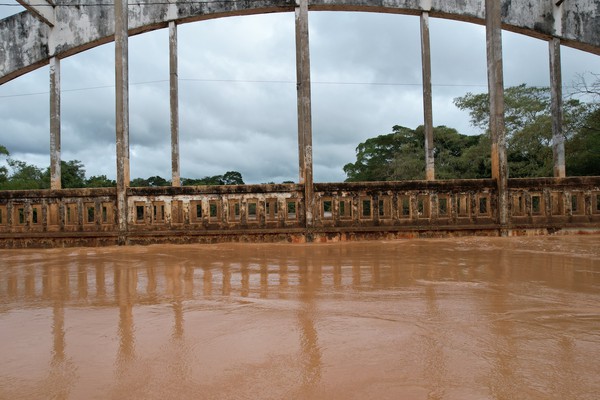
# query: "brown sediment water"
[[472, 318]]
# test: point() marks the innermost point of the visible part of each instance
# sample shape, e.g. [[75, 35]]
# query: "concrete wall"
[[27, 43], [265, 213]]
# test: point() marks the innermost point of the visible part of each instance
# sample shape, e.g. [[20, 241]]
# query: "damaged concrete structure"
[[307, 211]]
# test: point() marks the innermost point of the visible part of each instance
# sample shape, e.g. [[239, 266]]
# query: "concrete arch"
[[27, 42]]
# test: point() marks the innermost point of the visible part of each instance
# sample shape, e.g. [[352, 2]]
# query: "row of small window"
[[384, 207], [214, 210], [20, 216], [557, 206]]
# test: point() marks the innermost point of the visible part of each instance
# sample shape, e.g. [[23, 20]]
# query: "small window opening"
[[483, 205], [327, 209], [139, 213], [252, 210], [405, 207], [91, 214], [342, 208], [213, 209], [366, 208], [291, 209], [536, 204], [443, 206]]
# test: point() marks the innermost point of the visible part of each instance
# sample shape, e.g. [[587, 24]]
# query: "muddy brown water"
[[474, 318]]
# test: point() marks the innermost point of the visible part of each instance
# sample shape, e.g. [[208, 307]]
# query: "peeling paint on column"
[[558, 138], [174, 105], [427, 97], [122, 112], [304, 109], [496, 91], [55, 148]]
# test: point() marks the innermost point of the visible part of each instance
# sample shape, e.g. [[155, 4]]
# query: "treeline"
[[23, 176], [400, 155]]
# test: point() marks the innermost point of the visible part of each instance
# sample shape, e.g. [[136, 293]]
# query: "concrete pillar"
[[558, 139], [304, 109], [122, 112], [174, 96], [427, 100], [55, 173], [496, 93]]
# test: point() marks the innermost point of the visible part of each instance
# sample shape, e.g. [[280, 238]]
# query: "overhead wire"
[[286, 82]]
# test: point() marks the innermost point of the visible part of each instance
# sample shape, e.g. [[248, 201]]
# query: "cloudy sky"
[[238, 94]]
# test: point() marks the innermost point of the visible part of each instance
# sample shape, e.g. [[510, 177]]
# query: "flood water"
[[471, 318]]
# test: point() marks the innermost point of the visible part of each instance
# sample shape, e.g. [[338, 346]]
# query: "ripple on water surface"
[[467, 318]]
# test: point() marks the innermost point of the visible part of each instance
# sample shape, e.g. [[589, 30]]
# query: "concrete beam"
[[427, 97], [43, 10], [55, 170], [174, 102], [27, 43], [496, 94], [122, 111], [304, 109]]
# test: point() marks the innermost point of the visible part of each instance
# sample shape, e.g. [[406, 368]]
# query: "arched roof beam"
[[26, 43], [44, 10]]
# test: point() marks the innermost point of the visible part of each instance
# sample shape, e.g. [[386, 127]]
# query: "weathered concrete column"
[[174, 96], [304, 108], [427, 100], [122, 111], [55, 172], [496, 93], [558, 138]]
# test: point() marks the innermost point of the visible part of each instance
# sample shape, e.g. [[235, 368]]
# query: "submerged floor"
[[472, 318]]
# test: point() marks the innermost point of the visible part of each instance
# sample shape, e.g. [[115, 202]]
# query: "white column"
[[174, 97], [122, 109], [55, 172]]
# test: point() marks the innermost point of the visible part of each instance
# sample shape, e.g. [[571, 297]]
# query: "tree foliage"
[[72, 175], [528, 126], [400, 155], [97, 181], [582, 151], [229, 178], [24, 176]]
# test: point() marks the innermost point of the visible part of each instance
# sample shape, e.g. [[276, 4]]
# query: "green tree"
[[24, 176], [229, 178], [3, 170], [139, 182], [232, 178], [375, 155], [528, 126], [158, 181], [582, 150], [400, 155], [97, 181], [72, 175]]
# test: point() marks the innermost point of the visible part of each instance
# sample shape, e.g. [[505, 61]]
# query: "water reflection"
[[426, 319]]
